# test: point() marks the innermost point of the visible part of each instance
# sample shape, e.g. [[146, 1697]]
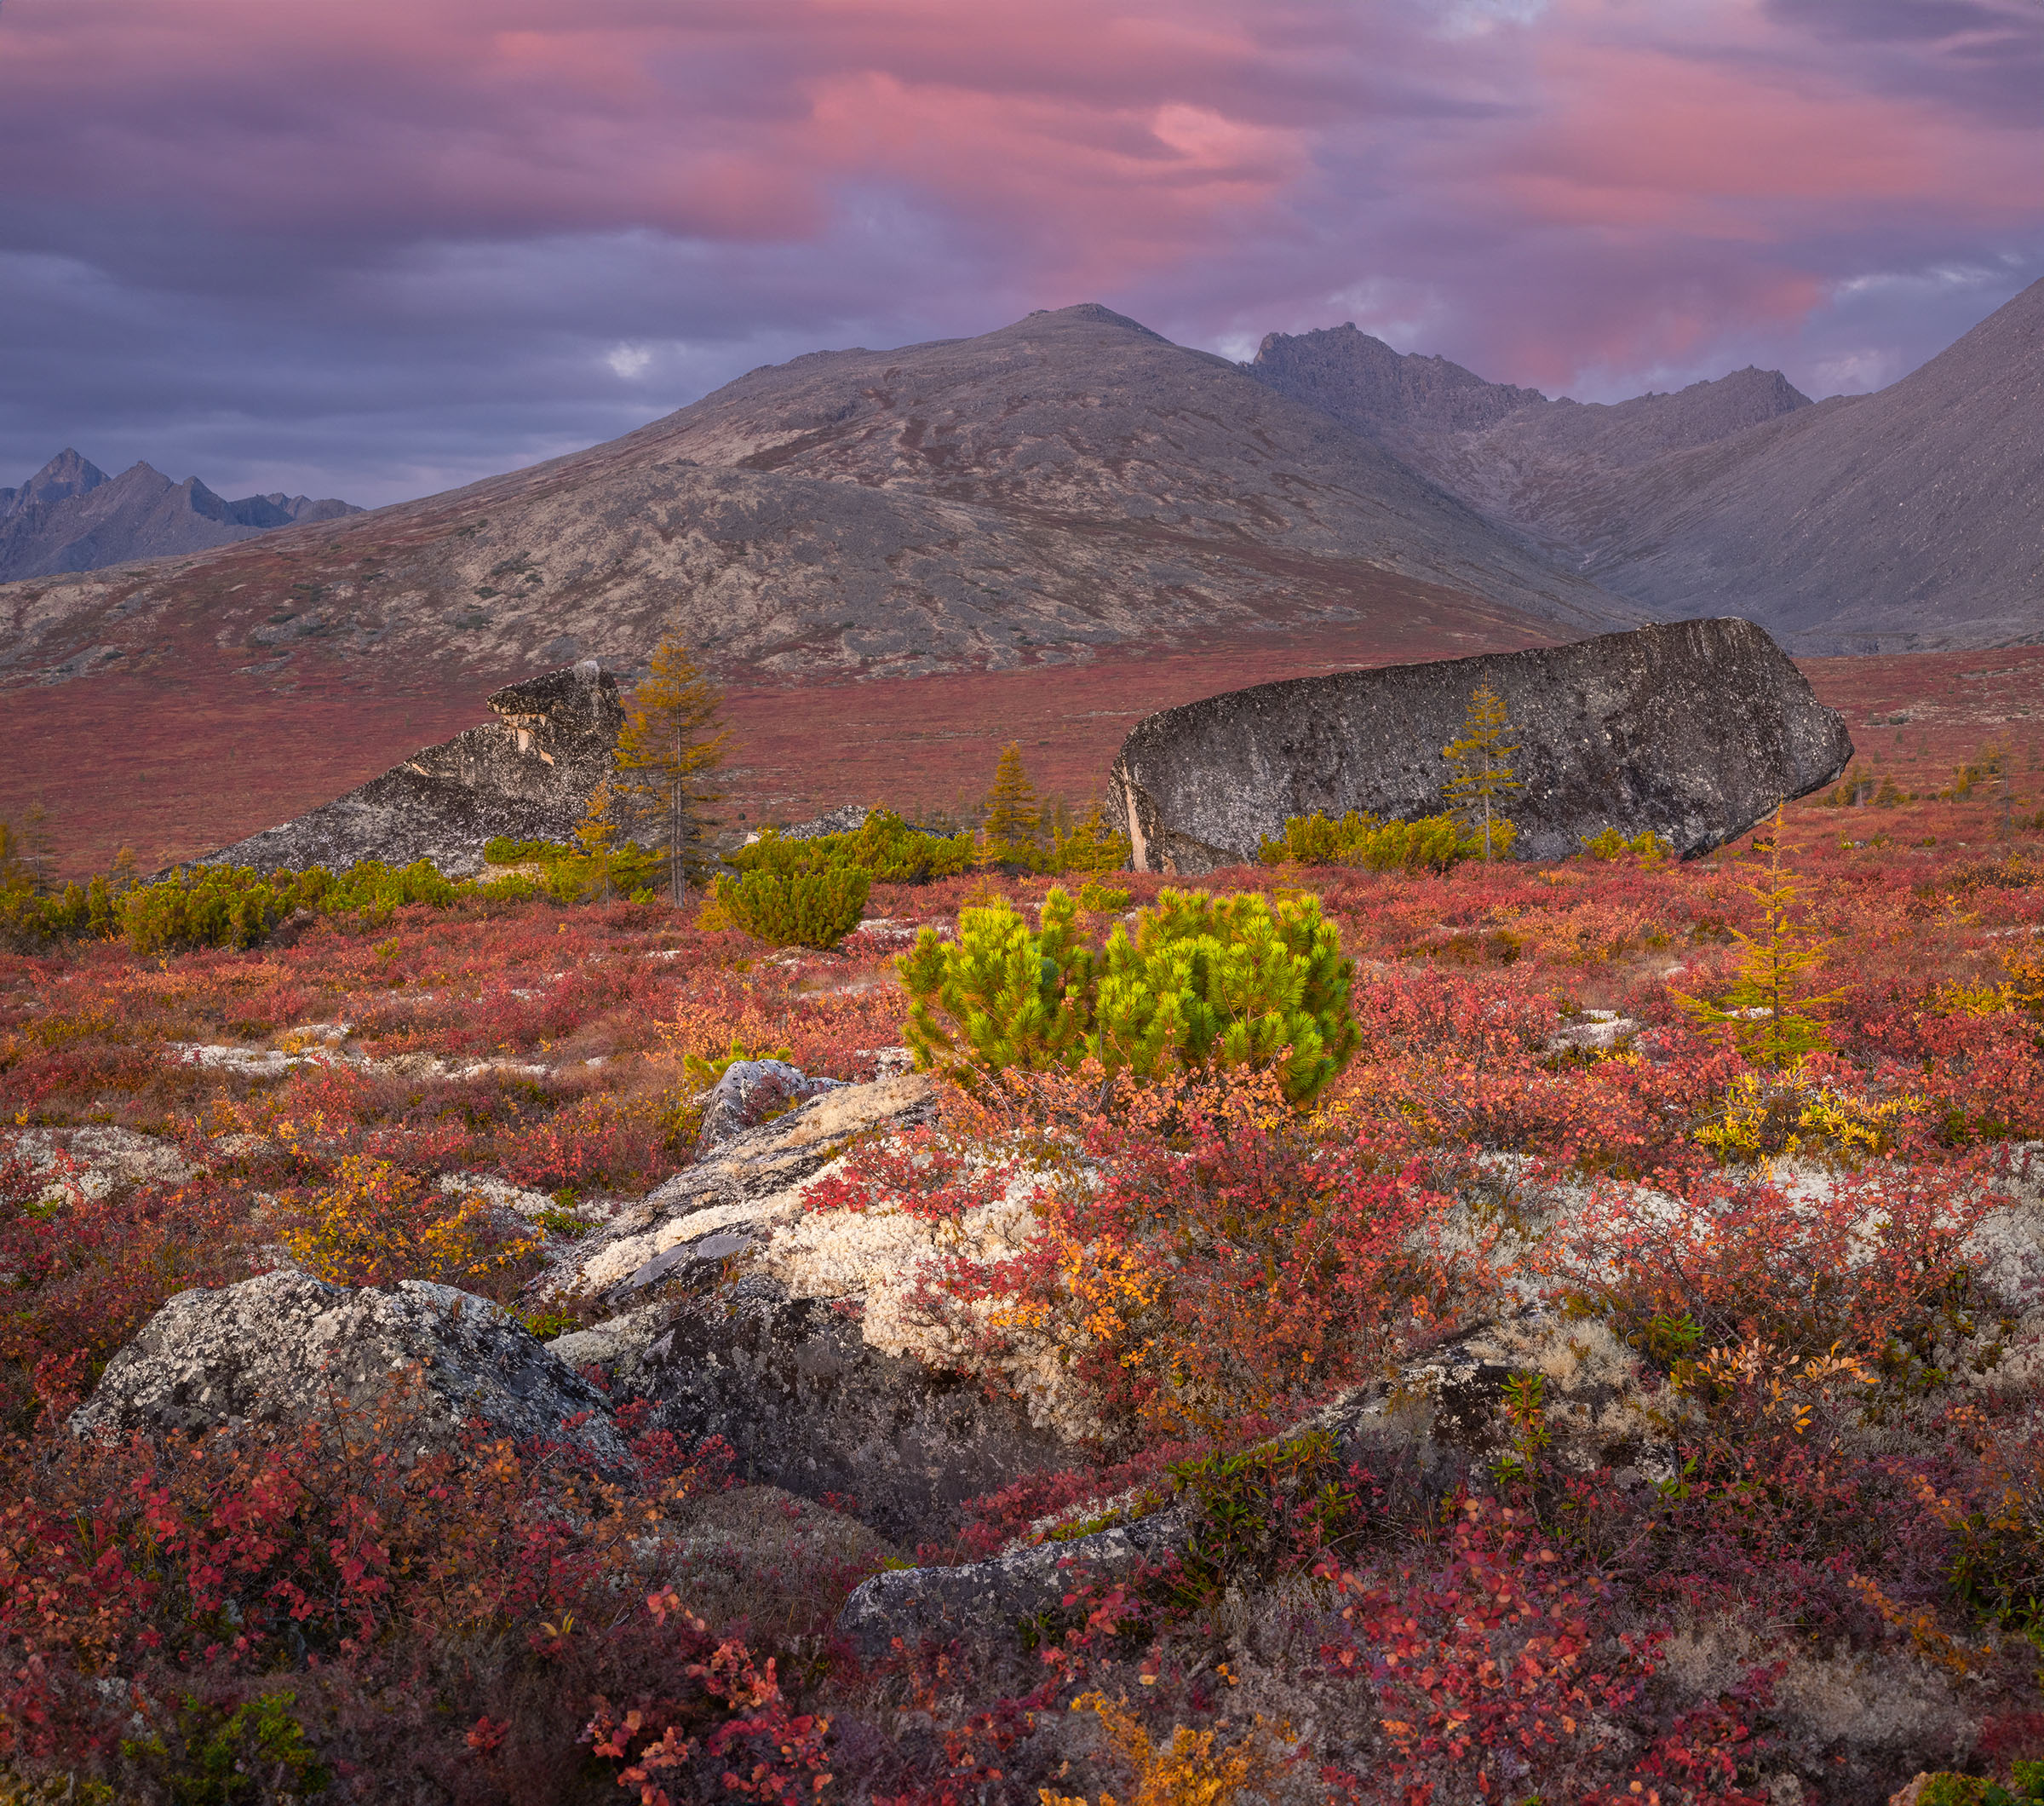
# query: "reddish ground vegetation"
[[1833, 1583], [281, 741]]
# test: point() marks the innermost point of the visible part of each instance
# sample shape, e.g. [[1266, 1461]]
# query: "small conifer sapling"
[[1769, 1010], [1482, 762], [667, 754], [1014, 819]]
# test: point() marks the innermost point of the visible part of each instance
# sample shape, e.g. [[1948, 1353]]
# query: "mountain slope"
[[1907, 518], [1910, 518], [1068, 483], [71, 516]]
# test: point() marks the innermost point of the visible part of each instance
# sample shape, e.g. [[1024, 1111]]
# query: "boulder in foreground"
[[1695, 730], [288, 1348]]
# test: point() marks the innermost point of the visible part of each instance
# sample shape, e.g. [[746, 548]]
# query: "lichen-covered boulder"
[[286, 1349], [738, 1189], [1695, 730]]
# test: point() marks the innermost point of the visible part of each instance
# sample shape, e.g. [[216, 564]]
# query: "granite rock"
[[1694, 729], [750, 1091], [527, 774], [810, 1406], [986, 1602], [285, 1348]]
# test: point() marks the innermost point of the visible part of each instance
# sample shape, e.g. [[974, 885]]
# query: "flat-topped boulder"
[[1694, 729]]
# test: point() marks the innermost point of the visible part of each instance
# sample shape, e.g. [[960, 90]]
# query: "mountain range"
[[1910, 518], [1070, 491], [71, 516]]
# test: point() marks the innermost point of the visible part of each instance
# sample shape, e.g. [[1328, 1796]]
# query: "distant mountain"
[[1910, 518], [71, 516]]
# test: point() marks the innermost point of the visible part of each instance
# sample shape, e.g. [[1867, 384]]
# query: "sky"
[[379, 248]]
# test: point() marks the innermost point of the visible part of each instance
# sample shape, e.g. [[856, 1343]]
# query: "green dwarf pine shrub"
[[884, 847], [1204, 981], [1610, 846], [1432, 844], [794, 898]]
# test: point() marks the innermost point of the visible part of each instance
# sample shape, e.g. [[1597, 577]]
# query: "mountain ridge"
[[1904, 518], [70, 516]]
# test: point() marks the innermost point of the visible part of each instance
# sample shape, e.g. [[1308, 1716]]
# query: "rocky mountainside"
[[71, 516], [1904, 519], [1069, 483]]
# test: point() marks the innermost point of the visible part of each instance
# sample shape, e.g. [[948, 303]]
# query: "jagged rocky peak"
[[64, 475], [71, 516], [527, 774], [1365, 384]]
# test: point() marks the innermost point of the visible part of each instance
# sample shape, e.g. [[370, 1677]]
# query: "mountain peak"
[[66, 474]]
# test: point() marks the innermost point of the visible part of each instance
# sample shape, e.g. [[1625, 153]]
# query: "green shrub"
[[812, 907], [884, 847], [1204, 981], [1100, 900], [568, 874], [1432, 844], [1610, 846]]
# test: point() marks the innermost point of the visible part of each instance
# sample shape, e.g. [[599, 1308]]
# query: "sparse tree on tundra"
[[1482, 759], [667, 754], [1014, 819]]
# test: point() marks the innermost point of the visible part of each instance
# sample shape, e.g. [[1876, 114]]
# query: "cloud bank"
[[375, 249]]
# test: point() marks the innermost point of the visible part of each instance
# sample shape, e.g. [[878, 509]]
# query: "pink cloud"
[[1589, 190]]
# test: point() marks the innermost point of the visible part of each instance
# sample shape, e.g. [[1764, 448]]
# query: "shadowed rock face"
[[1695, 730], [527, 774]]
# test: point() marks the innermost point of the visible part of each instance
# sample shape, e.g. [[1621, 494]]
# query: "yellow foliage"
[[1189, 1771], [377, 1223], [1762, 1117]]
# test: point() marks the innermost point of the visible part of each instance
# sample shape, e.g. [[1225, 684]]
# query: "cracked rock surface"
[[1695, 730], [285, 1348]]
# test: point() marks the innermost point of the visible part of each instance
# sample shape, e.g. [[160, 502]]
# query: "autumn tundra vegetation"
[[1747, 1140]]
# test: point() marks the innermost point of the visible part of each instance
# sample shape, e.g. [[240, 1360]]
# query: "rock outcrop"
[[741, 1191], [527, 774], [810, 1404], [286, 1349], [1695, 729], [741, 1313], [748, 1092]]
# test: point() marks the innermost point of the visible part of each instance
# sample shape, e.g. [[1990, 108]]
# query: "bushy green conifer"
[[1204, 981]]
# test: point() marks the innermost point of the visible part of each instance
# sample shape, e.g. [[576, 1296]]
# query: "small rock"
[[987, 1601], [748, 1092], [1593, 1032]]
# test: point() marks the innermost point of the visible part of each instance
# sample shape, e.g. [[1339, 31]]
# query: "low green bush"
[[1204, 981], [812, 906], [884, 847], [1431, 843], [570, 875]]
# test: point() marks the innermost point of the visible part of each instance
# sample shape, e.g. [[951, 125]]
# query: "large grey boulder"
[[527, 774], [1695, 730], [286, 1349]]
